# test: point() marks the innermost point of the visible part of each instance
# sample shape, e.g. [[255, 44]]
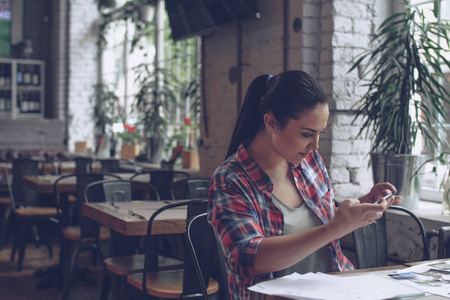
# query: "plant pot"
[[80, 147], [399, 169], [146, 13], [190, 159], [155, 147], [129, 151]]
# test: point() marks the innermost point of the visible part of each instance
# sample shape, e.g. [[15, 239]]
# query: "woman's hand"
[[352, 214], [377, 193]]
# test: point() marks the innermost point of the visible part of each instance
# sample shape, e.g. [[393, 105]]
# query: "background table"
[[172, 221]]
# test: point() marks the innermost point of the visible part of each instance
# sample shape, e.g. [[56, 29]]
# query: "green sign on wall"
[[5, 27]]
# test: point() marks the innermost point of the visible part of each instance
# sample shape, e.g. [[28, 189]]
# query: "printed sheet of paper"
[[315, 286]]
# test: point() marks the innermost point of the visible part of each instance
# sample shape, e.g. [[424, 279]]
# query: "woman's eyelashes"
[[310, 134]]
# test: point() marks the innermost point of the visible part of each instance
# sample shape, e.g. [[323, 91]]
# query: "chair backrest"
[[190, 188], [371, 241], [24, 167], [202, 247], [162, 180], [83, 165], [120, 190], [110, 165], [62, 200], [194, 207], [443, 235]]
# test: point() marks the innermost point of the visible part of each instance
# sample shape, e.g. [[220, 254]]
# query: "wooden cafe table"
[[171, 221], [43, 184]]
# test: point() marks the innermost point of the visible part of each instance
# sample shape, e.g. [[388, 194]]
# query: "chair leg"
[[106, 285], [71, 258], [21, 242]]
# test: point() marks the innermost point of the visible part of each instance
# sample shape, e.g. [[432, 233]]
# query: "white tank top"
[[297, 220]]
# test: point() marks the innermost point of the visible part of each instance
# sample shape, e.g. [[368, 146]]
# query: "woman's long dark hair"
[[286, 95]]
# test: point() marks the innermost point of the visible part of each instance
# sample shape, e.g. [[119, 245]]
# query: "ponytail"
[[250, 118], [287, 95]]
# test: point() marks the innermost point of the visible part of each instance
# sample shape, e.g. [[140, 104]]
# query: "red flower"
[[187, 121], [129, 128]]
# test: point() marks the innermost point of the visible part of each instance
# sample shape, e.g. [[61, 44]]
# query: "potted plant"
[[105, 112], [155, 103], [130, 142], [405, 95]]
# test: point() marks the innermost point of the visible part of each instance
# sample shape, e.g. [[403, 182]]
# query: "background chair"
[[190, 188], [175, 283], [162, 180], [77, 232], [443, 246], [124, 259], [201, 243], [371, 241], [28, 216]]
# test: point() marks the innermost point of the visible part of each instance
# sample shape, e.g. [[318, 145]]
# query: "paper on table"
[[441, 289], [315, 286]]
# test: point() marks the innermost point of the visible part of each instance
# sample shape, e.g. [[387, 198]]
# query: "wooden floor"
[[23, 285]]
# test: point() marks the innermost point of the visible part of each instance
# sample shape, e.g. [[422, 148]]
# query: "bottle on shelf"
[[8, 75], [35, 79], [19, 74], [26, 75], [24, 107], [2, 75], [2, 101], [37, 104]]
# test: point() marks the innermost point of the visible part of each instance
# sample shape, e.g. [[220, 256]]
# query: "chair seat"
[[73, 233], [5, 201], [166, 284], [34, 212], [72, 198], [126, 265]]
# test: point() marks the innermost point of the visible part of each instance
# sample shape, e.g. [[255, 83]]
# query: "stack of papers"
[[316, 286]]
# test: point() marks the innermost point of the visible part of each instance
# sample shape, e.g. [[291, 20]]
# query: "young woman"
[[271, 202]]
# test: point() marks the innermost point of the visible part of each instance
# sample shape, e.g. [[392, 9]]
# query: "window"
[[432, 180], [130, 44]]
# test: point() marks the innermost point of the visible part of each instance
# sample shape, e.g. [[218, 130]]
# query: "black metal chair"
[[163, 180], [28, 215], [190, 188], [371, 241], [443, 243], [77, 232], [178, 284], [201, 243], [125, 258]]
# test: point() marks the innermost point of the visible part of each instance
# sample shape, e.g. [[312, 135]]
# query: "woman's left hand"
[[378, 191]]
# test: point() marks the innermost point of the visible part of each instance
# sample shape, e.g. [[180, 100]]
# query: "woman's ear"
[[270, 122]]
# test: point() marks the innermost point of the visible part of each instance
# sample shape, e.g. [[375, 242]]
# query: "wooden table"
[[43, 184], [172, 221], [66, 167]]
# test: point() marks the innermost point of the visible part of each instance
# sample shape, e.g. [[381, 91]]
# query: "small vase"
[[129, 151], [190, 159]]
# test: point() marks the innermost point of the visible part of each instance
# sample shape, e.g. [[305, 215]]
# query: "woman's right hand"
[[351, 214]]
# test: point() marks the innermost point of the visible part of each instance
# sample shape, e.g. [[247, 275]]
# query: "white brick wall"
[[82, 69]]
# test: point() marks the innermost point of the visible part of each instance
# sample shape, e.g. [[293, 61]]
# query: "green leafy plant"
[[406, 85], [155, 99], [106, 108]]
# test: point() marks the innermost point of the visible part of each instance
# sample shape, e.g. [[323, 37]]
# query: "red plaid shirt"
[[242, 213]]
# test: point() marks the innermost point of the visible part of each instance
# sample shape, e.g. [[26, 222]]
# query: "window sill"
[[431, 211]]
